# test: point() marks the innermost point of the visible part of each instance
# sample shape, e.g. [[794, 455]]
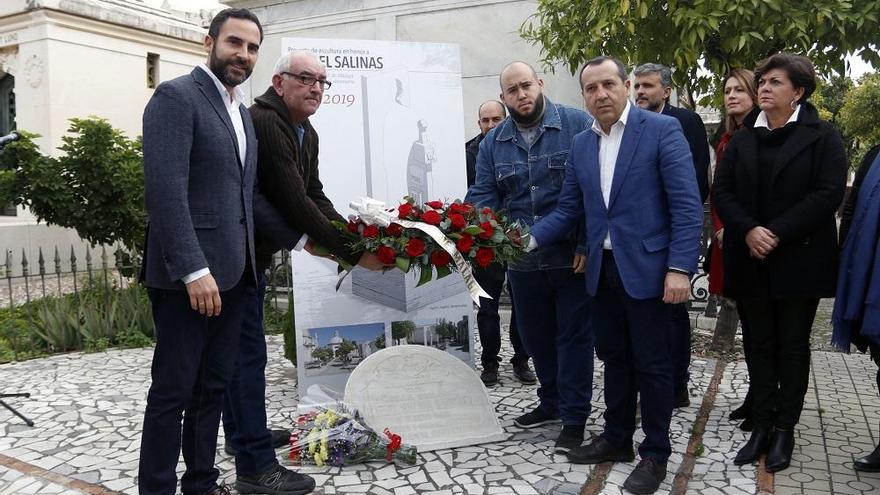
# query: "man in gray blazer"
[[200, 158]]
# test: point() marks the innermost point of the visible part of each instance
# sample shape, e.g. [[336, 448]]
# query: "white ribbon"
[[375, 212]]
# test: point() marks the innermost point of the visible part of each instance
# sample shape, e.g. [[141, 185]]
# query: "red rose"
[[431, 217], [465, 244], [487, 230], [440, 257], [404, 210], [485, 256], [394, 230], [435, 204], [371, 231], [352, 227], [454, 208], [458, 222], [386, 255], [415, 247]]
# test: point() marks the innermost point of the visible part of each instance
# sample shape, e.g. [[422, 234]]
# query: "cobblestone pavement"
[[88, 411]]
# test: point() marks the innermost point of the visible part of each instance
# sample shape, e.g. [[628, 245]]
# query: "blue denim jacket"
[[526, 181]]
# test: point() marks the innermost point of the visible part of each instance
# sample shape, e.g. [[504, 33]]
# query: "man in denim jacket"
[[520, 168]]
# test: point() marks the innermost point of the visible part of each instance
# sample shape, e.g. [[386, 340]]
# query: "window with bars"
[[7, 124], [152, 70]]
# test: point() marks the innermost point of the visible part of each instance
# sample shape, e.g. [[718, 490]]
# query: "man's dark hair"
[[621, 69], [222, 16], [799, 69]]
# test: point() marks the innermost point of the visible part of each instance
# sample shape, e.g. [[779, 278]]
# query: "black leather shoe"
[[489, 376], [277, 480], [682, 398], [600, 450], [525, 375], [646, 477], [280, 438], [781, 448], [570, 437], [870, 463], [757, 445]]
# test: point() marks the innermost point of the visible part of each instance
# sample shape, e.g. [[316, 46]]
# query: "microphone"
[[12, 136]]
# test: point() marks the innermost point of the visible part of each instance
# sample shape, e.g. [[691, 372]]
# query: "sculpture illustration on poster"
[[381, 136]]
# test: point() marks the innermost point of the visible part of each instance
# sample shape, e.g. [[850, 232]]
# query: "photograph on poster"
[[450, 336], [338, 349]]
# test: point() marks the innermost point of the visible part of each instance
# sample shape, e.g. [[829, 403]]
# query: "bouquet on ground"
[[435, 236], [336, 437]]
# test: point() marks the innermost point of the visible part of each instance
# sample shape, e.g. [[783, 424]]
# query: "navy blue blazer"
[[202, 204], [654, 213]]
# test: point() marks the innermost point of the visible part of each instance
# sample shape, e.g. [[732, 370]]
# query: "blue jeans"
[[244, 412], [636, 353], [551, 311], [192, 364]]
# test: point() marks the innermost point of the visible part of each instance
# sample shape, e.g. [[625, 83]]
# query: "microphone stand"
[[25, 395]]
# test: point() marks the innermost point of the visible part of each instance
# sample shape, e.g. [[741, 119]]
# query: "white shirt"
[[763, 122], [609, 147], [232, 102]]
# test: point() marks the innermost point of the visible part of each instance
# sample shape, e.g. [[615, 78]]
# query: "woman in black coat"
[[778, 187]]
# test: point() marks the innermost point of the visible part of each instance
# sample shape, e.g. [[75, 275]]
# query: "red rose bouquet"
[[435, 237]]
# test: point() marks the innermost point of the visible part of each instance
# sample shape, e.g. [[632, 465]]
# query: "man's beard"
[[532, 118], [652, 106], [220, 68]]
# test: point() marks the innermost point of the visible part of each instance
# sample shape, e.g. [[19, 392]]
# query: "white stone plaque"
[[431, 399]]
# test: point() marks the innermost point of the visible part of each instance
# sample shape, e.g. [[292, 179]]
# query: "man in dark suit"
[[287, 170], [630, 177], [491, 279], [200, 157], [653, 86]]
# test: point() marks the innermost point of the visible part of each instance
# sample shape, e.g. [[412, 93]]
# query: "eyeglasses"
[[309, 80]]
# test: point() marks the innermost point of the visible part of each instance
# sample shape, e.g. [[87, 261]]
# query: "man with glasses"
[[287, 171]]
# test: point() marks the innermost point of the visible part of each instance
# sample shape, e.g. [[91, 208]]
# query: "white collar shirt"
[[232, 102], [609, 148], [762, 121]]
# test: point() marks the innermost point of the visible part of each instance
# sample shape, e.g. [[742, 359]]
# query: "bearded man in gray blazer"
[[200, 158]]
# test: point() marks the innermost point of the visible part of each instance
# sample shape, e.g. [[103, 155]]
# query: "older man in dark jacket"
[[287, 167]]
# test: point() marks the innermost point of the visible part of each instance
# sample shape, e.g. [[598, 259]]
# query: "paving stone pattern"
[[88, 411]]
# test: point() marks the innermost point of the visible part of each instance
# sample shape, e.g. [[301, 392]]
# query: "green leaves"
[[95, 187], [704, 39]]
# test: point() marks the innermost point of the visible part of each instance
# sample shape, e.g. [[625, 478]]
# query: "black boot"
[[870, 463], [757, 445], [781, 448]]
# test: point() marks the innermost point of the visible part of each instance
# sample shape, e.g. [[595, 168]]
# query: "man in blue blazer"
[[200, 158], [631, 177]]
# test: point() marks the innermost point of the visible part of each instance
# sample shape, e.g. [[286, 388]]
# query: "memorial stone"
[[431, 399]]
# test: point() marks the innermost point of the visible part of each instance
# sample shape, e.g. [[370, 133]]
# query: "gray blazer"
[[202, 204]]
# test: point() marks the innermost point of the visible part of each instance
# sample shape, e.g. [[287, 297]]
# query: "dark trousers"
[[637, 356], [491, 279], [192, 364], [244, 411], [680, 320], [779, 339], [551, 309]]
